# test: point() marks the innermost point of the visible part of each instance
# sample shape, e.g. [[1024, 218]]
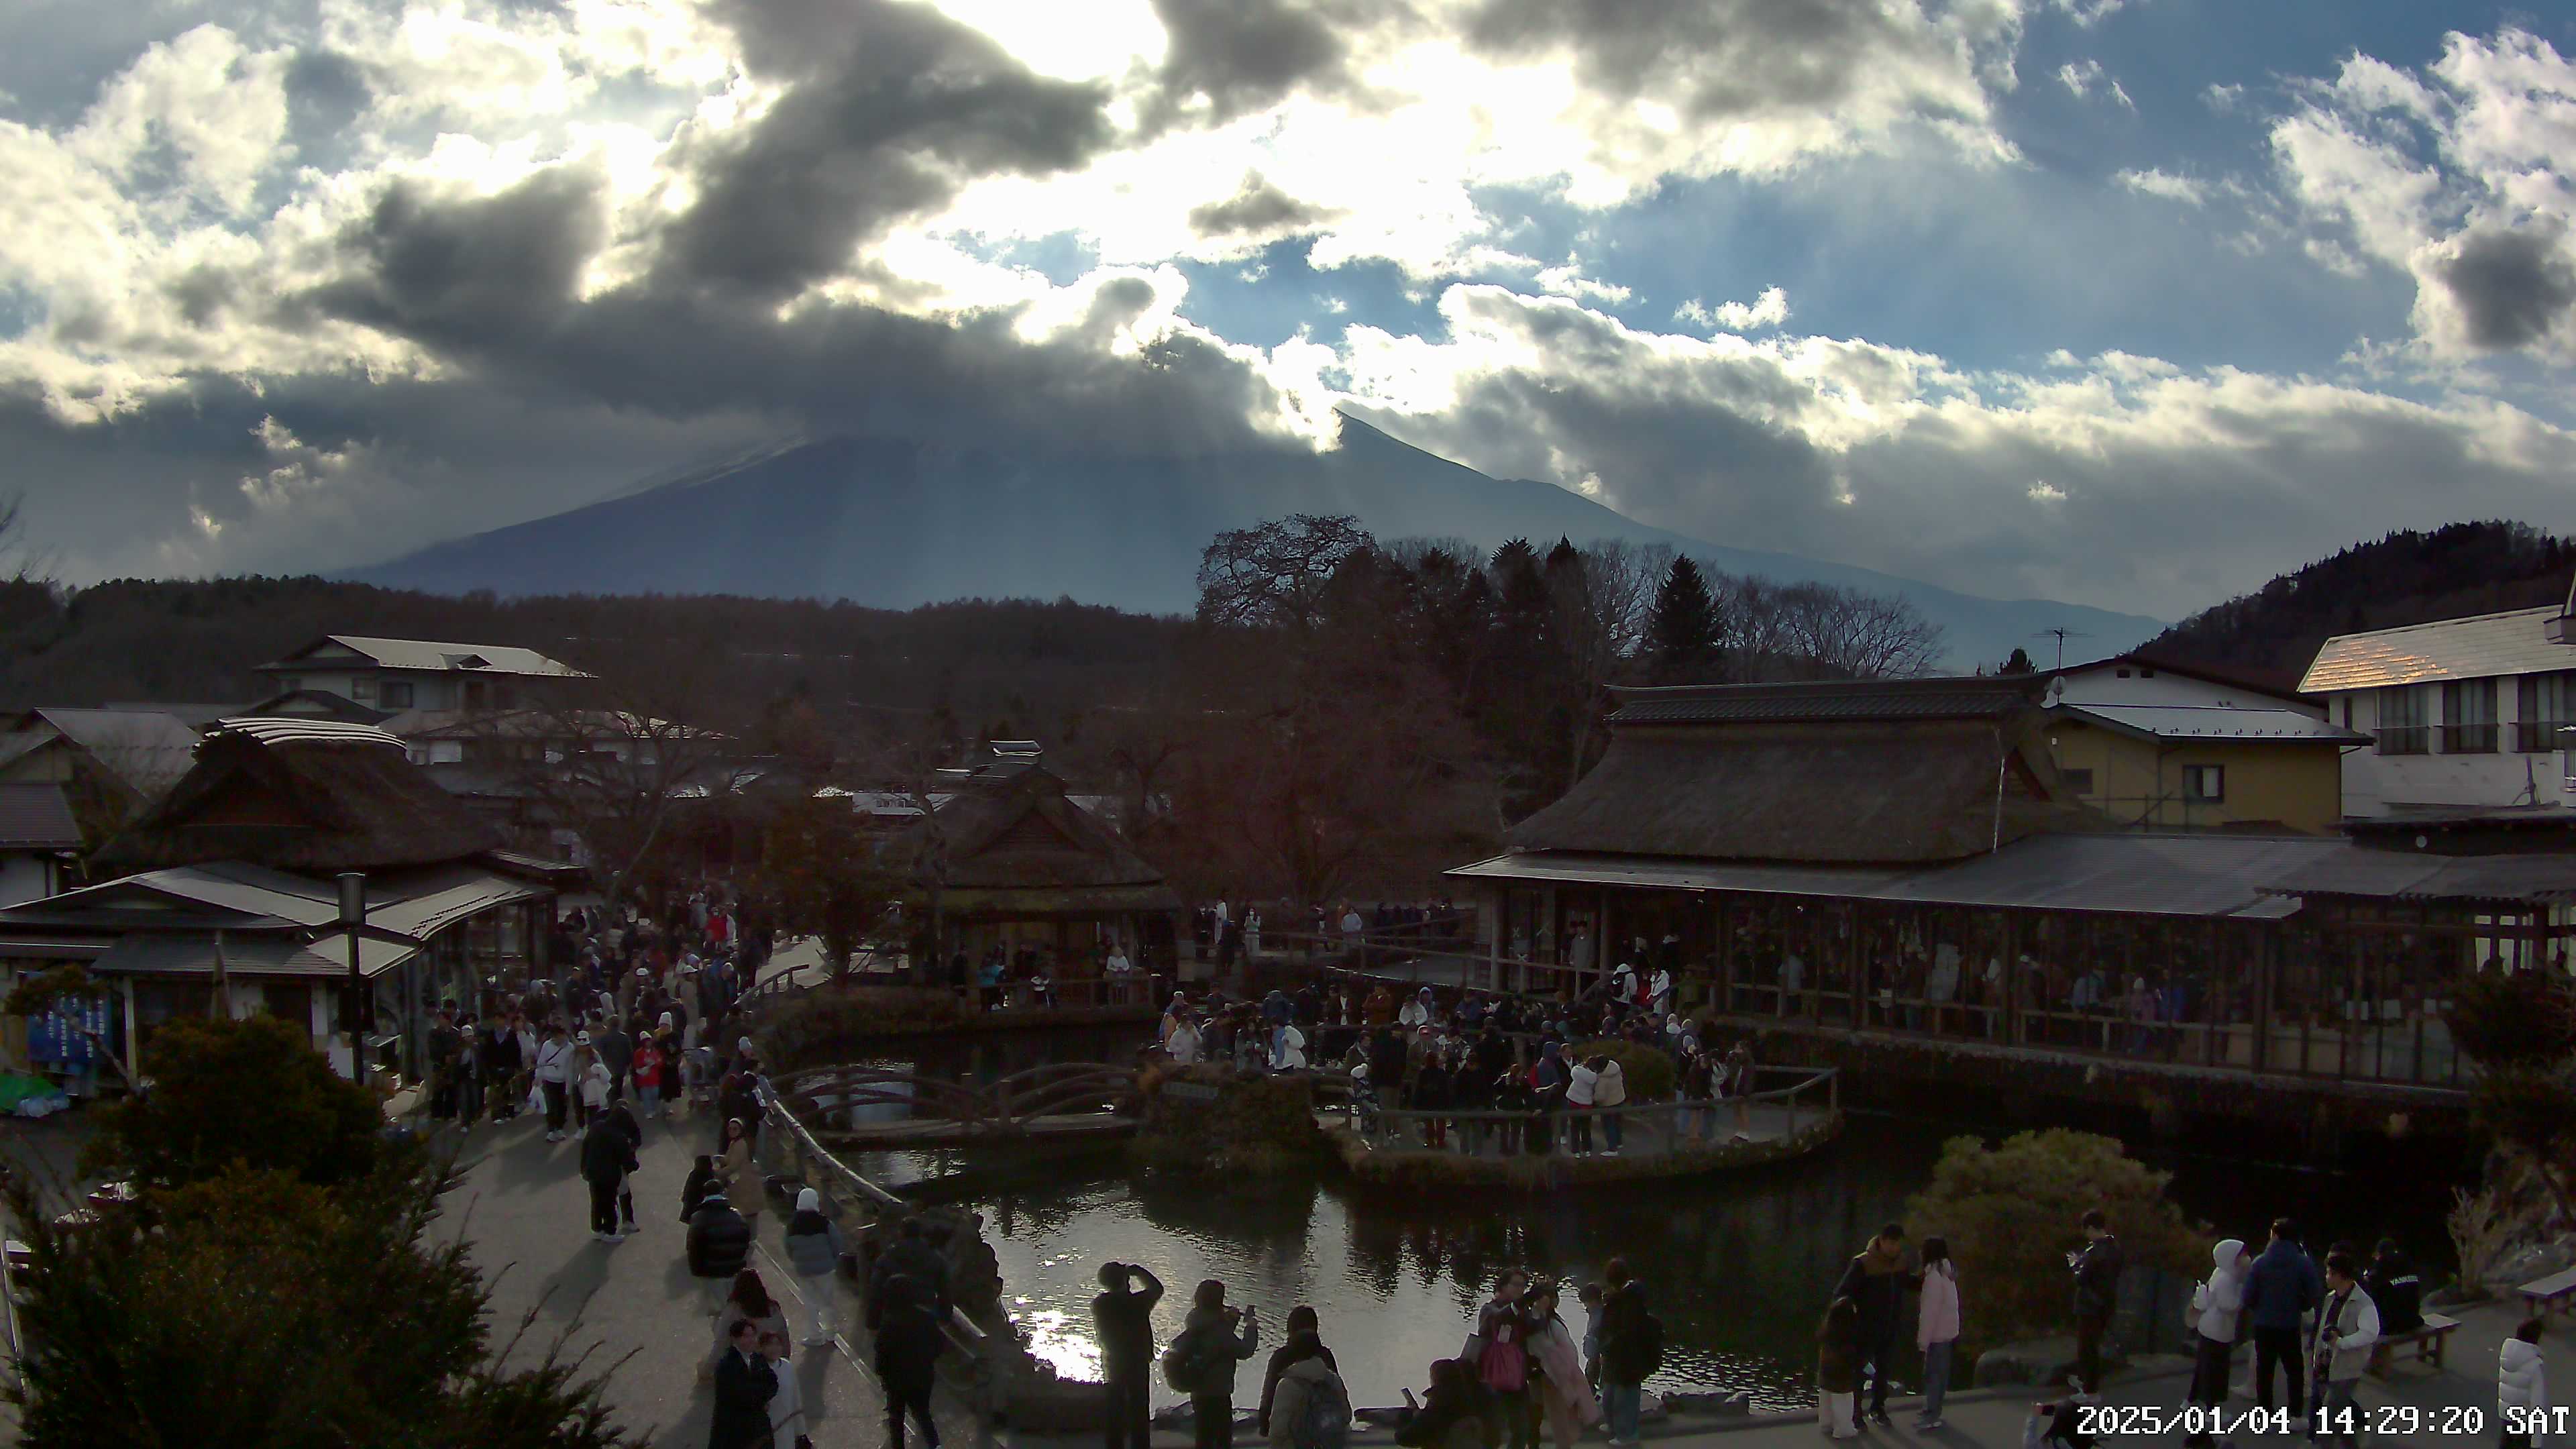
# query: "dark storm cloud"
[[919, 106], [480, 267], [1258, 208], [2514, 287], [1732, 57], [1242, 55]]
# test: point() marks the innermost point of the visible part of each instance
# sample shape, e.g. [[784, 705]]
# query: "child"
[[1838, 1371], [2522, 1385]]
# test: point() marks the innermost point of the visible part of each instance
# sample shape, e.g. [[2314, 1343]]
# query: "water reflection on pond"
[[1736, 1264]]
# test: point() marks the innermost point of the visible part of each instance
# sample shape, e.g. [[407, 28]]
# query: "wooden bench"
[[2428, 1338], [2555, 1291]]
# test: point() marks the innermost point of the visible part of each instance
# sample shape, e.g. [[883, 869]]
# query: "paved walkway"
[[525, 1211]]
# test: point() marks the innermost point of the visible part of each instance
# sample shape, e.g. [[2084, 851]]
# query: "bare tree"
[[1861, 635], [1600, 605], [1276, 575]]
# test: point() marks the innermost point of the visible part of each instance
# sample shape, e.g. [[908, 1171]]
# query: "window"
[[2548, 701], [2077, 782], [446, 752], [397, 695], [2344, 708], [2401, 721], [2469, 717], [361, 687], [2204, 784]]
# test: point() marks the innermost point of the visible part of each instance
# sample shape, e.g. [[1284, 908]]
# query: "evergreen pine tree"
[[1682, 630]]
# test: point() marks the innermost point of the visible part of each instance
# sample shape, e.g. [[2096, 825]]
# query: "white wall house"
[[390, 676], [2465, 713]]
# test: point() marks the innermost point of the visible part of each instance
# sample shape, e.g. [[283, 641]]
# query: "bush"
[[2011, 1214], [1652, 1076], [829, 1024], [249, 1093]]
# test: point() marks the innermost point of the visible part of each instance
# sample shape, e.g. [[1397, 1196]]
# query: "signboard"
[[1189, 1091]]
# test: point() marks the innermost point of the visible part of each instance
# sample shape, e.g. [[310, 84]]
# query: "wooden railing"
[[1005, 1106], [811, 1159], [1473, 1132]]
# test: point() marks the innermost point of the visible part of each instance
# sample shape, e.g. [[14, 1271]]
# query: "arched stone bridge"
[[870, 1106]]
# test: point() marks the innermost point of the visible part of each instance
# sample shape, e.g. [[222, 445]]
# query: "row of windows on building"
[[2406, 725], [2201, 784]]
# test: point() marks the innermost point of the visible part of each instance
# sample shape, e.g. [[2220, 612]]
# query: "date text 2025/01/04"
[[2107, 1421]]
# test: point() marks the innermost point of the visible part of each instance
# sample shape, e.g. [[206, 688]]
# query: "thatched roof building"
[[307, 796], [1011, 843], [1841, 773]]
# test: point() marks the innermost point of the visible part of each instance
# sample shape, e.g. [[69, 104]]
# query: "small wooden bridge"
[[872, 1107]]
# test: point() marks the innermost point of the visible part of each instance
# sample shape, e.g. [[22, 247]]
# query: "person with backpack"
[[719, 1237], [1123, 1318], [1304, 1403], [1632, 1347], [1875, 1281], [814, 1248], [1201, 1361]]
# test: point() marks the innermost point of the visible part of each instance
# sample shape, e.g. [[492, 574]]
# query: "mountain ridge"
[[892, 523]]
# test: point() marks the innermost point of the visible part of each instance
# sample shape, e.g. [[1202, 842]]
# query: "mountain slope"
[[894, 524]]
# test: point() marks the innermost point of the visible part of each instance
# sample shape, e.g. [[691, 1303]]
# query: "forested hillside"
[[2405, 578]]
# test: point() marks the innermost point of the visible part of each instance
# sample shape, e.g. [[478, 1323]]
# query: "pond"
[[1736, 1264]]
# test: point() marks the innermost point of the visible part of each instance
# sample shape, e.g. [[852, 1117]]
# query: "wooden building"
[[233, 902], [1008, 860], [1900, 865]]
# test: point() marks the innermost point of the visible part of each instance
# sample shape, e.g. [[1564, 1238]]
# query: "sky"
[[2131, 303]]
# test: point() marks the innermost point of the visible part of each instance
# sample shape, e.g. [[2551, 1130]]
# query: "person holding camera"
[[1124, 1318], [1201, 1362]]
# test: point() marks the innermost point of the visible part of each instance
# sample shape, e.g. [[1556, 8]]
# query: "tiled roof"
[[36, 817], [2483, 647], [1911, 699], [2217, 722]]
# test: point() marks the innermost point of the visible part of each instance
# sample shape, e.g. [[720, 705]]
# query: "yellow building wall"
[[2139, 782]]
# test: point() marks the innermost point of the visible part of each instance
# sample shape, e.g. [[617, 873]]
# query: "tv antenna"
[[2061, 634]]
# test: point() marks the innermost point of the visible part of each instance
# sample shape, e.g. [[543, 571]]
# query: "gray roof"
[[36, 817], [2135, 873], [2356, 870], [2216, 722], [147, 749], [1844, 699], [2481, 647], [427, 654]]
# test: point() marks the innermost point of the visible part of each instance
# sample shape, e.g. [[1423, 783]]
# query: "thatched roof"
[[311, 798], [1842, 788], [1019, 831]]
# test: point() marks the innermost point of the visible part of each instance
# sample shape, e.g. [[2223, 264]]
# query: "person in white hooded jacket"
[[2215, 1305], [2522, 1386]]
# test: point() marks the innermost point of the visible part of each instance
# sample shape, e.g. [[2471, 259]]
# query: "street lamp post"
[[353, 1012]]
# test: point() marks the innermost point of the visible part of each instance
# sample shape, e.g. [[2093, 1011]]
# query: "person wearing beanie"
[[814, 1249]]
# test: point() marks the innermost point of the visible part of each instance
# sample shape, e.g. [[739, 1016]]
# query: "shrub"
[[1651, 1075], [829, 1024], [2011, 1213], [251, 1093]]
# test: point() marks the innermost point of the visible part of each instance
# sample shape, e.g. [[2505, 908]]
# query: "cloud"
[[2089, 13], [2454, 176], [1258, 210], [2152, 182], [1568, 280], [1897, 460], [2080, 76], [1768, 310], [2512, 287]]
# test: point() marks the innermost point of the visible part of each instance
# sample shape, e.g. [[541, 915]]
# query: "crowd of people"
[[1543, 1063], [1522, 1370]]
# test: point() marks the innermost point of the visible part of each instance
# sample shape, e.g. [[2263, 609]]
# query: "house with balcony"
[[2476, 713]]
